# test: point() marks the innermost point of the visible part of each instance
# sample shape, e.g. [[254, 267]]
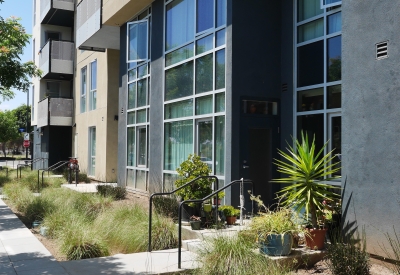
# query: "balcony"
[[57, 12], [116, 13], [56, 60], [91, 34], [55, 112]]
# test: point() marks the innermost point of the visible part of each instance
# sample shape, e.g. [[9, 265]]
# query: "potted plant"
[[195, 222], [230, 213], [274, 229], [306, 169], [220, 196]]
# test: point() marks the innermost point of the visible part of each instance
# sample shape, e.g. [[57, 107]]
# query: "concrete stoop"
[[300, 257]]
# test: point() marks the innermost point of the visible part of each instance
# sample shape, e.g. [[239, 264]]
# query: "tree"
[[14, 73], [23, 113], [8, 129]]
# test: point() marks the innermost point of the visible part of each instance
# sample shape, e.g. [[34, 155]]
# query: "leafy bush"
[[82, 176], [235, 256], [166, 206], [229, 210], [348, 257], [116, 192], [18, 195], [38, 208], [190, 169]]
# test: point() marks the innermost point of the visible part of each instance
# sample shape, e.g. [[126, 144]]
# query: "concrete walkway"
[[23, 254]]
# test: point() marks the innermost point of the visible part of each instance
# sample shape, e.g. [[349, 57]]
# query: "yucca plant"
[[305, 168]]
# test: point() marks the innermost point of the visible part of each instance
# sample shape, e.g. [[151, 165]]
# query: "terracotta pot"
[[316, 238], [215, 201], [230, 220]]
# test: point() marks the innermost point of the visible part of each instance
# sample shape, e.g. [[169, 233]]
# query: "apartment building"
[[232, 81]]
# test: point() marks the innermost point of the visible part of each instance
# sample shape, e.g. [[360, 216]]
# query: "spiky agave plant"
[[305, 168]]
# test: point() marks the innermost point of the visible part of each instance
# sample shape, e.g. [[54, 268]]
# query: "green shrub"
[[234, 256], [229, 210], [166, 206], [116, 192], [18, 195], [348, 257], [82, 176], [38, 208]]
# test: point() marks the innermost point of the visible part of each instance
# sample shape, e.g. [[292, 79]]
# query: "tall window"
[[318, 71], [34, 12], [83, 89], [194, 95], [33, 104], [93, 85], [137, 104], [92, 151]]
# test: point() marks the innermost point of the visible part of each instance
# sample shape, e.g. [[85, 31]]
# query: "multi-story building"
[[232, 81]]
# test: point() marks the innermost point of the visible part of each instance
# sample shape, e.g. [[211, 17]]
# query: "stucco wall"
[[370, 118]]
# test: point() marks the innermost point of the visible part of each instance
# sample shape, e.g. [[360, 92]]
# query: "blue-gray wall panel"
[[122, 109], [370, 117]]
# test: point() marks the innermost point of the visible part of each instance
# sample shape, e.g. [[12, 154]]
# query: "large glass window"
[[92, 151], [334, 58], [335, 23], [179, 81], [178, 143], [137, 41], [308, 8], [83, 89], [142, 147], [310, 100], [310, 64], [205, 12], [311, 30], [220, 69], [219, 145], [179, 109], [179, 55], [179, 23], [204, 74], [93, 85], [205, 141], [131, 146]]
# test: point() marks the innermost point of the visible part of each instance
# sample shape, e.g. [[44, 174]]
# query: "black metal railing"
[[170, 193], [51, 168], [200, 201], [27, 163]]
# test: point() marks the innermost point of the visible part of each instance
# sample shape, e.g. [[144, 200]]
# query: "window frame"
[[93, 92], [83, 89], [324, 6], [129, 24]]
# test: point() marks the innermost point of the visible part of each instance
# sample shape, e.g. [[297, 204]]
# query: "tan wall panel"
[[117, 12]]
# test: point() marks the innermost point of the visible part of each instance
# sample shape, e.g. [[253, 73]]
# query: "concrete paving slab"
[[32, 240], [39, 266], [86, 187], [26, 252], [7, 268], [156, 262], [15, 233]]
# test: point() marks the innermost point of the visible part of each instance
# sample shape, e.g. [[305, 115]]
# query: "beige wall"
[[102, 117], [118, 12]]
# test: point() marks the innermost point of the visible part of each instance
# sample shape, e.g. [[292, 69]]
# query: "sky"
[[23, 10]]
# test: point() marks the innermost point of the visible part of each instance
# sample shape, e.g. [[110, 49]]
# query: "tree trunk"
[[313, 213]]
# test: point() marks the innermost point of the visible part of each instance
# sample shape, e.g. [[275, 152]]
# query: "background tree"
[[8, 129], [22, 113], [14, 73]]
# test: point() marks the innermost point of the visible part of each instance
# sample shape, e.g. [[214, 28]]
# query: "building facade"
[[232, 81]]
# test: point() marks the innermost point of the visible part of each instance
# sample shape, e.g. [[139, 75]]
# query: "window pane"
[[179, 109], [220, 69], [142, 93], [310, 64], [330, 2], [312, 125], [178, 143], [131, 118], [141, 180], [220, 102], [132, 95], [93, 75], [334, 58], [308, 9], [204, 105], [336, 139], [204, 44], [137, 41], [141, 116], [83, 89], [205, 12], [219, 145], [335, 96], [179, 55], [221, 12], [179, 23], [131, 147], [130, 178], [131, 75], [220, 40], [205, 142], [142, 152], [142, 70], [169, 182], [93, 100], [204, 74], [179, 81], [335, 22], [311, 30], [310, 100]]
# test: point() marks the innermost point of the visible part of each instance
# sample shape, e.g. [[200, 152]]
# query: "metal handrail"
[[52, 167], [169, 193], [199, 201], [32, 161], [19, 166]]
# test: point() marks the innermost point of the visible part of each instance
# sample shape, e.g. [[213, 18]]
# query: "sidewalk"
[[22, 253]]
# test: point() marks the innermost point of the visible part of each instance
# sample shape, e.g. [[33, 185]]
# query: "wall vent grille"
[[284, 87], [382, 50]]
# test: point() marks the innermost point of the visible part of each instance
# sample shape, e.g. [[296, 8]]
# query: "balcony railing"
[[56, 59], [91, 34], [57, 12], [55, 112]]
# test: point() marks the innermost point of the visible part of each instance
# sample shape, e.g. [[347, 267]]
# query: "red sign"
[[27, 143]]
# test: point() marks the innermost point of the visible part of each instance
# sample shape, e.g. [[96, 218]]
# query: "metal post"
[[27, 117], [179, 234]]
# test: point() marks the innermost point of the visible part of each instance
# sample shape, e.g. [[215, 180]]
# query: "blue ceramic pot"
[[276, 246]]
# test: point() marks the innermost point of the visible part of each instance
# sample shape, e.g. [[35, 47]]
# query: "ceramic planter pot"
[[277, 245], [195, 225], [316, 238], [207, 207], [230, 220]]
